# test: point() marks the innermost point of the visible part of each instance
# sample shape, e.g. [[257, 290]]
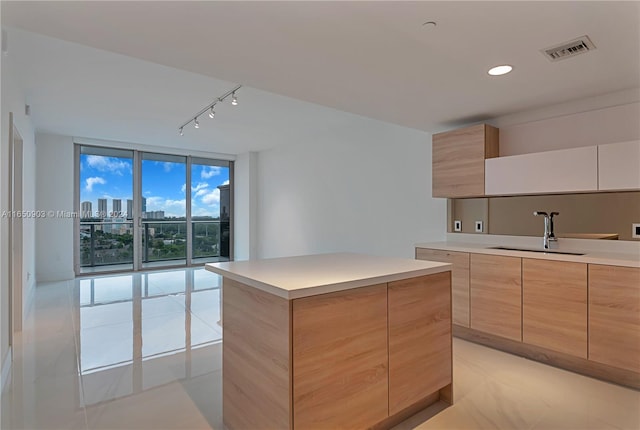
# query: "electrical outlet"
[[478, 226], [635, 230], [457, 225]]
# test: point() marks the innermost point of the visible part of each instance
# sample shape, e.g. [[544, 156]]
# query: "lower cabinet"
[[340, 359], [362, 356], [419, 339], [554, 305], [496, 295], [459, 280], [614, 316]]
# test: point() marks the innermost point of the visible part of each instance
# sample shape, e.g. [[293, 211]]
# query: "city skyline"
[[163, 186]]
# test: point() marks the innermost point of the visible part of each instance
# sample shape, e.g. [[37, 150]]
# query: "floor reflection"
[[123, 351], [138, 331]]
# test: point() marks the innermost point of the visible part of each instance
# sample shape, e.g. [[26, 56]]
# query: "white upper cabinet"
[[566, 170], [619, 166]]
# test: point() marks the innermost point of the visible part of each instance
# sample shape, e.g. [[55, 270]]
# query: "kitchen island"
[[333, 340]]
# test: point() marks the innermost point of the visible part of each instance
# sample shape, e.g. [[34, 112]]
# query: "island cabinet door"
[[496, 295], [554, 300], [419, 339], [614, 316], [340, 361]]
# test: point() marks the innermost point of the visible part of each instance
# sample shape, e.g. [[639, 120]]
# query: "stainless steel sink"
[[545, 251]]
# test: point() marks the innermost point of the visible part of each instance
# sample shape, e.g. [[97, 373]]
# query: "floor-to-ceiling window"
[[164, 215], [140, 210], [106, 225]]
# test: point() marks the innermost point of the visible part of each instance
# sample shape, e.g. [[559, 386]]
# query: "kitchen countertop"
[[589, 257], [309, 275]]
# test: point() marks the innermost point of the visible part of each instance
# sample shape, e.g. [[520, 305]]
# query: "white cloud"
[[225, 182], [200, 186], [210, 171], [201, 192], [175, 207], [167, 166], [90, 182], [211, 198], [154, 203], [108, 164], [183, 188]]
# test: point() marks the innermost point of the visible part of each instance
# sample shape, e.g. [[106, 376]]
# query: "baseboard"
[[6, 369], [55, 276], [553, 358]]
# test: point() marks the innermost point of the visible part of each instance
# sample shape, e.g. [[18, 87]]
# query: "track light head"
[[234, 99], [181, 131], [212, 114], [196, 124]]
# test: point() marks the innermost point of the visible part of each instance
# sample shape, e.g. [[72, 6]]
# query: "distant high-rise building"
[[102, 208], [116, 207], [85, 209], [225, 213], [129, 209], [225, 201], [144, 204]]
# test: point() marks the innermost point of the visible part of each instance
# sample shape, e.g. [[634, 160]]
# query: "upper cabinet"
[[459, 160], [565, 170], [619, 166]]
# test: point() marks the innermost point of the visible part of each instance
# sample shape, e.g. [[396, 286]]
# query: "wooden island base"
[[366, 357]]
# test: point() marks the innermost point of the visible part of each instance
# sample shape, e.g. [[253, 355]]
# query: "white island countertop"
[[310, 275]]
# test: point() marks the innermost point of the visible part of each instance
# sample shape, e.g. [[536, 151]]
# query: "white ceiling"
[[374, 59]]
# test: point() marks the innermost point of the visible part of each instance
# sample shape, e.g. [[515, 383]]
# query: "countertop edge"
[[329, 288], [589, 257]]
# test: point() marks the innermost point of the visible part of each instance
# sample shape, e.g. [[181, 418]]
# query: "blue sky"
[[163, 184]]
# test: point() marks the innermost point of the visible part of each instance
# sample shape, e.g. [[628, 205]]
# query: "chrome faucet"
[[549, 240]]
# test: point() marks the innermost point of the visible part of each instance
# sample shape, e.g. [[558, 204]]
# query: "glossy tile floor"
[[143, 351]]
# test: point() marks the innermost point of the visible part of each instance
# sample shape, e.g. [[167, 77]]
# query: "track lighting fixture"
[[209, 107]]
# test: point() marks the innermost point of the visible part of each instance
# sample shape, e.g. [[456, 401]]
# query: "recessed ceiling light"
[[500, 70]]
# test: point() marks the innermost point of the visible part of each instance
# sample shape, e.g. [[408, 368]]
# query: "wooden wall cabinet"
[[458, 160], [554, 305], [459, 280], [614, 316], [496, 295], [419, 339]]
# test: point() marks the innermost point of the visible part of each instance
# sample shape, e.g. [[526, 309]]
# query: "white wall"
[[593, 121], [362, 187], [54, 192], [245, 206], [13, 100]]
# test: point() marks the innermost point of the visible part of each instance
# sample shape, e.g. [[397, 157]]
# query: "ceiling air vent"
[[569, 49]]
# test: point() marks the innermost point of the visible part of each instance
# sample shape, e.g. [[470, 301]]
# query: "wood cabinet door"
[[340, 359], [459, 280], [614, 316], [419, 339], [554, 305], [458, 160], [496, 295]]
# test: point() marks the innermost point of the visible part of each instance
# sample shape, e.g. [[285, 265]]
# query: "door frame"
[[16, 229]]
